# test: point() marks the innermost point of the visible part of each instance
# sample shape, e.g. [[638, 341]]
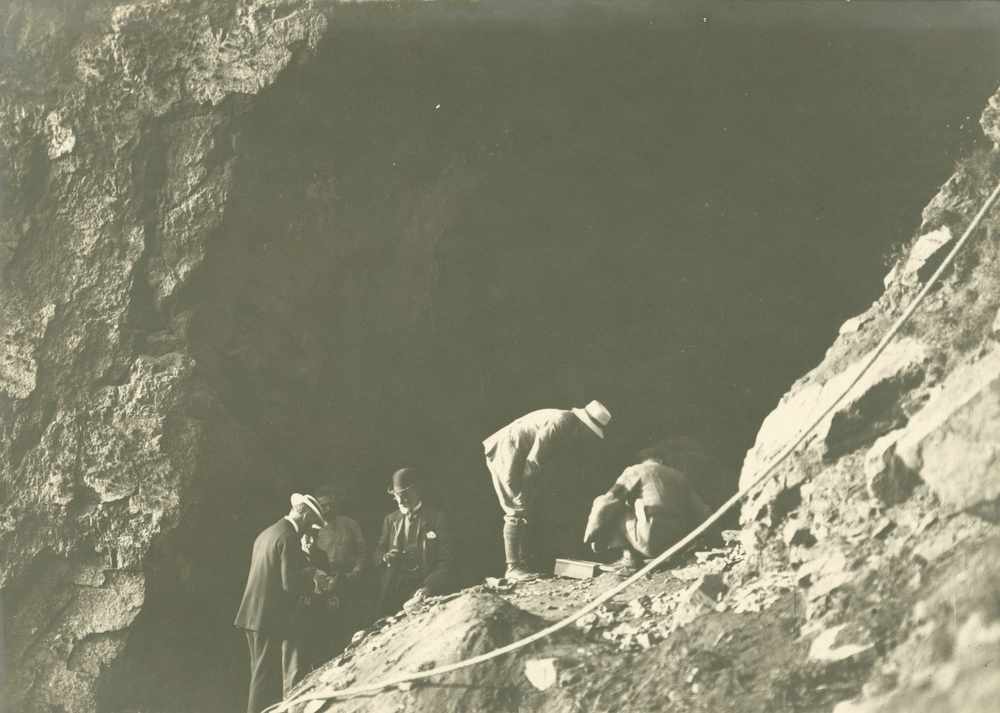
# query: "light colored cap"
[[594, 416], [310, 502]]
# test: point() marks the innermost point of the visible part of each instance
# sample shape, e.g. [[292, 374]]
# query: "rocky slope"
[[865, 577]]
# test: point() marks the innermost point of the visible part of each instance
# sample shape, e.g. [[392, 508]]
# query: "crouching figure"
[[650, 507]]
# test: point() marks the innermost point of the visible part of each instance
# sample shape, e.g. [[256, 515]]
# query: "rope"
[[691, 537]]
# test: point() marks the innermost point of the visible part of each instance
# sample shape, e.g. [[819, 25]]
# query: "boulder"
[[924, 257], [467, 626], [887, 482], [840, 643], [853, 324], [953, 443]]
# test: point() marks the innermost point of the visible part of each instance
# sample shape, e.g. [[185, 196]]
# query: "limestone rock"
[[709, 588], [887, 481], [542, 673], [839, 643], [953, 443], [925, 255], [871, 409], [990, 119], [853, 324]]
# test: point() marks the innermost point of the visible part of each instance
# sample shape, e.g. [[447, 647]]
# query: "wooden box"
[[577, 569]]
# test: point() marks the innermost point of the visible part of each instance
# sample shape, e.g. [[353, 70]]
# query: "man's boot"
[[628, 564], [514, 534]]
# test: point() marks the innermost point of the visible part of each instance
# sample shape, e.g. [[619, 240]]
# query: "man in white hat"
[[523, 452], [267, 611]]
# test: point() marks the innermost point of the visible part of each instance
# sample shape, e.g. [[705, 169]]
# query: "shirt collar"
[[294, 526], [411, 511]]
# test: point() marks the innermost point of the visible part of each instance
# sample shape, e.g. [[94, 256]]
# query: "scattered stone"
[[499, 585], [62, 140], [731, 536], [359, 636], [542, 673], [824, 563], [314, 706], [854, 323], [947, 445], [761, 594], [692, 675], [882, 527], [597, 619], [840, 643], [709, 586], [640, 606], [924, 256], [995, 329], [888, 481], [827, 584], [824, 574], [926, 521], [932, 548], [706, 555], [872, 408], [977, 633], [796, 532], [645, 640]]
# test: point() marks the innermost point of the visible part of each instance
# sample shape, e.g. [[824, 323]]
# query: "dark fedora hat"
[[404, 479]]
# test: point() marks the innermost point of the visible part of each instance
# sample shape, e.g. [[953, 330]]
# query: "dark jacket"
[[435, 550], [275, 582]]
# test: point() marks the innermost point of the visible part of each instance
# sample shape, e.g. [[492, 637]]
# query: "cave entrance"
[[448, 218]]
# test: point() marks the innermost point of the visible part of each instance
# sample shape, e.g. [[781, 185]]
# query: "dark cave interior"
[[443, 221]]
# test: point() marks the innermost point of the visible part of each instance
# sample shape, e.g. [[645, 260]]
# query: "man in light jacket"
[[649, 508], [537, 446]]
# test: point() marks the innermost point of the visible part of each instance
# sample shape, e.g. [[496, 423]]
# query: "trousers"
[[275, 667]]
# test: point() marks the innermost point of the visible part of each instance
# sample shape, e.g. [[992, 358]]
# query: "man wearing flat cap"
[[538, 446], [267, 612], [414, 551]]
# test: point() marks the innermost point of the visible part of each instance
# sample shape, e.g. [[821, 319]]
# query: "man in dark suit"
[[415, 549], [275, 583]]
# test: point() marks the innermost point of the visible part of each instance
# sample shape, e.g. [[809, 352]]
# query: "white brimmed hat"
[[594, 416], [310, 502]]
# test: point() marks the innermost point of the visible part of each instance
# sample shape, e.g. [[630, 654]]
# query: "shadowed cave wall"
[[444, 219]]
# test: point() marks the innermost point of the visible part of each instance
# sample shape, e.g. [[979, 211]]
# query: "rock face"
[[115, 121], [953, 443], [876, 405], [904, 474]]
